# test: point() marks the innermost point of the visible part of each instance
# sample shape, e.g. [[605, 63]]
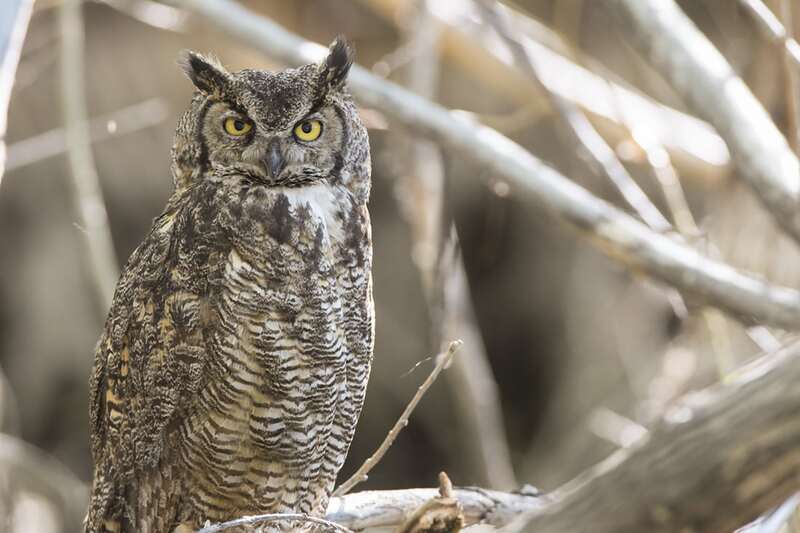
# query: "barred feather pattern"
[[233, 364], [249, 361]]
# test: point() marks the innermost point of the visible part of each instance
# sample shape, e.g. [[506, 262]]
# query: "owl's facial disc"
[[286, 128]]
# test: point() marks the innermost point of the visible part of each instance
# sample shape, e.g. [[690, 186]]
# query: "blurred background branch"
[[670, 41], [90, 207], [14, 17]]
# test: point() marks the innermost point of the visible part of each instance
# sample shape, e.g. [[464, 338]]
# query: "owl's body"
[[234, 362]]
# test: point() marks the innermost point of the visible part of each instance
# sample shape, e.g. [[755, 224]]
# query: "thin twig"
[[86, 193], [443, 360], [617, 234], [272, 517]]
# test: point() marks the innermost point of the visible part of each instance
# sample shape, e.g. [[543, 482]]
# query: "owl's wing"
[[150, 359]]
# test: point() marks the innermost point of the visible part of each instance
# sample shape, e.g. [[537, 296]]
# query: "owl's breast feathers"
[[234, 361]]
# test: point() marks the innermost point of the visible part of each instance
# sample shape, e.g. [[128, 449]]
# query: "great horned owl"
[[234, 360]]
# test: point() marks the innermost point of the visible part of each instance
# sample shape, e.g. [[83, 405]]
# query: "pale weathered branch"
[[714, 462], [391, 508], [717, 459], [603, 158], [442, 361], [669, 40], [617, 234], [86, 194]]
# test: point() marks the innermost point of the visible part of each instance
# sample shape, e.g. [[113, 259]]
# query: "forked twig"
[[361, 474]]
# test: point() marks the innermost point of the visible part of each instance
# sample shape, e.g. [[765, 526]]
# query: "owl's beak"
[[274, 162]]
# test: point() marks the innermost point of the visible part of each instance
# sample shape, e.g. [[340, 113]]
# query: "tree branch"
[[479, 52], [391, 508], [617, 234], [700, 74], [716, 460]]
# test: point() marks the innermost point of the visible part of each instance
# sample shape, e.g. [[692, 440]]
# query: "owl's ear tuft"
[[207, 73], [334, 69]]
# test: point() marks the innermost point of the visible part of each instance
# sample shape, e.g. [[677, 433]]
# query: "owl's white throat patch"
[[322, 199]]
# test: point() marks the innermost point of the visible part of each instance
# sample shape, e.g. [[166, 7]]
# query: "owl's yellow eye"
[[308, 130], [237, 126]]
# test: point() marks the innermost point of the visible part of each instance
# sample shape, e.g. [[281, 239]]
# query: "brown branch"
[[669, 40], [791, 82], [442, 361], [443, 513]]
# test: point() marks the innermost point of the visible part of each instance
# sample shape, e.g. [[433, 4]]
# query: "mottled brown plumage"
[[234, 360]]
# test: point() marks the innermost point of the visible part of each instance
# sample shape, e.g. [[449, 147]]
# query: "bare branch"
[[615, 233], [714, 462], [702, 76], [442, 361], [603, 158], [466, 42], [442, 513], [86, 194], [391, 508]]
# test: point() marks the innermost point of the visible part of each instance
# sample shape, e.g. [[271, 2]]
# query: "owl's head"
[[291, 128]]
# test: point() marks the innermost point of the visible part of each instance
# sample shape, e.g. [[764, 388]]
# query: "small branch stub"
[[442, 514]]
